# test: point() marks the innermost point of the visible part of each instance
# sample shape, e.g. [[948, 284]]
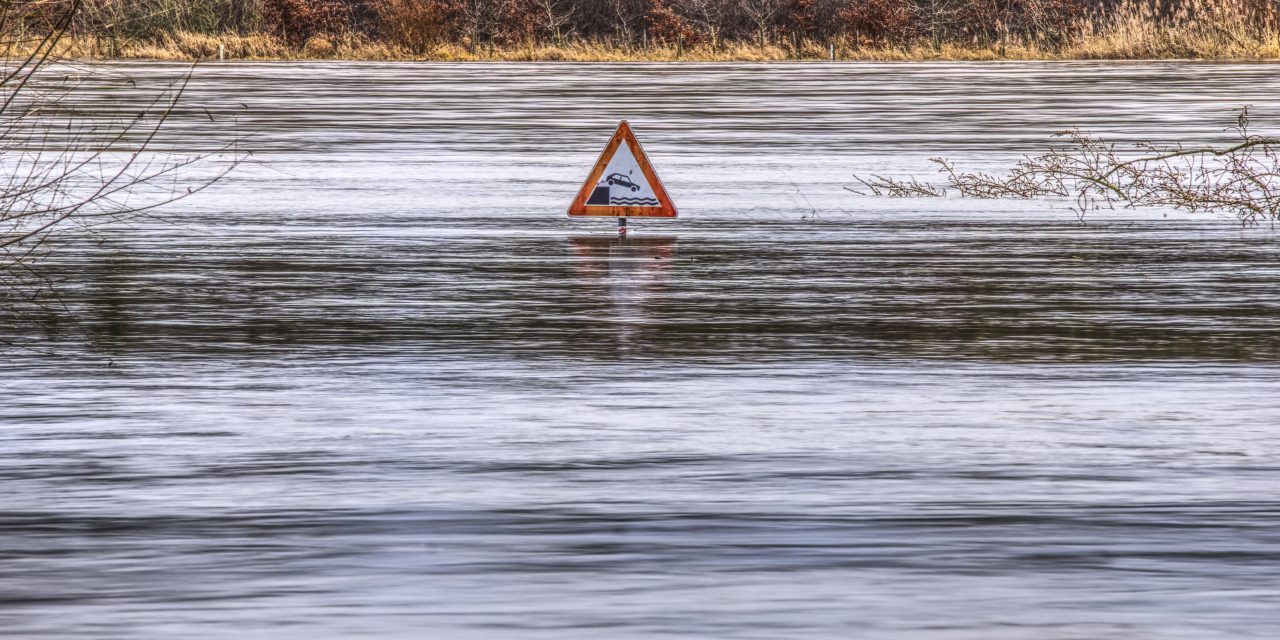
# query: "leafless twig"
[[75, 156], [1242, 179]]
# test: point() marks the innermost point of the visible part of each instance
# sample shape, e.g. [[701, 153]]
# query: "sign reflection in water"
[[633, 270]]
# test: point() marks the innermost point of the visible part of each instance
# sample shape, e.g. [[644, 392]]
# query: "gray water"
[[376, 384]]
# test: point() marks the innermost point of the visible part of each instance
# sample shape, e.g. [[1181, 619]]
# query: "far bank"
[[1153, 45]]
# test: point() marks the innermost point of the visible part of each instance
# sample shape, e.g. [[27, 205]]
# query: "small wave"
[[634, 201]]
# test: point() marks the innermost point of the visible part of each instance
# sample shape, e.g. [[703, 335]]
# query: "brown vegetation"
[[668, 29]]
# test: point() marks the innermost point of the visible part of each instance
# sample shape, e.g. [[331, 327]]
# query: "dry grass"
[[1214, 29], [1135, 30], [1153, 46]]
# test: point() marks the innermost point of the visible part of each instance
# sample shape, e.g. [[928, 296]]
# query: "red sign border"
[[665, 208]]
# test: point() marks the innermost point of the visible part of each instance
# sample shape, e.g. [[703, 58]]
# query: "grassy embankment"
[[1133, 30]]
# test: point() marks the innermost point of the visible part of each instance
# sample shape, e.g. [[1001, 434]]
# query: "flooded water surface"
[[376, 384]]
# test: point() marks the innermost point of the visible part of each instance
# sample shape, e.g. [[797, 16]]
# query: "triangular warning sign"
[[623, 183]]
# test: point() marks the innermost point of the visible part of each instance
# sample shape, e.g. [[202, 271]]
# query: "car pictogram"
[[618, 178]]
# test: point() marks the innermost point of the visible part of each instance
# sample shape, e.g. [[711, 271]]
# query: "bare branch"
[[1242, 179], [74, 157]]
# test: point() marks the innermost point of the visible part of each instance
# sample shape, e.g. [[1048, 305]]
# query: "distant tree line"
[[418, 25]]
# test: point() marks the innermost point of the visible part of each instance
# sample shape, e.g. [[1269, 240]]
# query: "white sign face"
[[623, 183]]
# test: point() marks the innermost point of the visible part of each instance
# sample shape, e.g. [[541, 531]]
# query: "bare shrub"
[[415, 25], [555, 18], [1242, 179], [883, 21], [710, 18], [74, 158], [763, 15], [298, 20], [667, 25], [480, 21], [895, 188], [624, 17]]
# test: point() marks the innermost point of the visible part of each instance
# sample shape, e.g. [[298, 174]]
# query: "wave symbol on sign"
[[635, 202]]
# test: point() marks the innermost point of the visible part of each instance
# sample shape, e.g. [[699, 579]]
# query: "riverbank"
[[1168, 44]]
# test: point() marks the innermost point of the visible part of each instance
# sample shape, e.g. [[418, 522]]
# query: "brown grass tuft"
[[318, 47]]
